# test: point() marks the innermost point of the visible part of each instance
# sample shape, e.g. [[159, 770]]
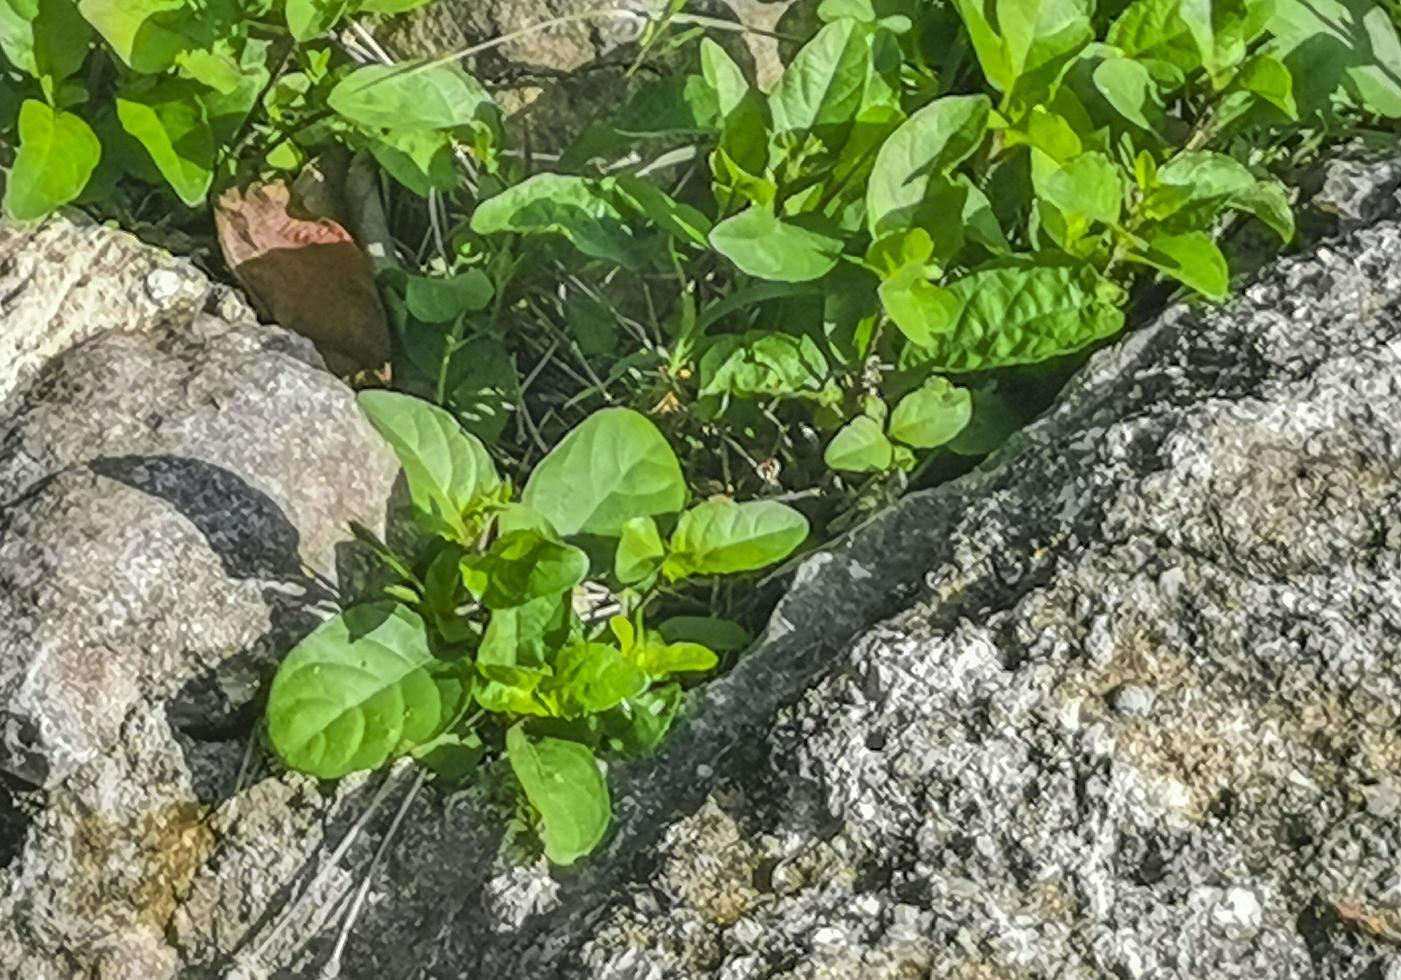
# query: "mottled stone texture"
[[1121, 703]]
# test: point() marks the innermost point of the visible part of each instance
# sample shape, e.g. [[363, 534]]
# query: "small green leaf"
[[824, 85], [721, 635], [412, 95], [777, 249], [435, 300], [447, 469], [931, 143], [859, 447], [360, 690], [1128, 86], [526, 635], [917, 307], [521, 566], [722, 537], [420, 159], [744, 131], [57, 156], [1267, 77], [640, 551], [680, 221], [641, 723], [932, 415], [577, 208], [562, 782], [762, 363], [170, 121], [1154, 31], [1192, 258], [613, 466], [659, 660]]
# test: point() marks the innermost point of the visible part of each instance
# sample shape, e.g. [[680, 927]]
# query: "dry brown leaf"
[[306, 273]]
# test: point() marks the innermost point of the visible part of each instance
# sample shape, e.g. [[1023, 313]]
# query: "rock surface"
[[1123, 702]]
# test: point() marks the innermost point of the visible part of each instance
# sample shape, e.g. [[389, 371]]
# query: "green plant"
[[483, 642]]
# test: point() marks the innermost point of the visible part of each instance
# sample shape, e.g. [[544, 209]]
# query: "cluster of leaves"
[[483, 643], [189, 94]]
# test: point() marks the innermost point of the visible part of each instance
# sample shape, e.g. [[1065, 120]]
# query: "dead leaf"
[[306, 273]]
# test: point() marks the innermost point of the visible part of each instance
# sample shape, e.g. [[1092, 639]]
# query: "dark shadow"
[[214, 713]]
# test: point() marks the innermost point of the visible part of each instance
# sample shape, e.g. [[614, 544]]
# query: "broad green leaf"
[[1223, 30], [1192, 258], [440, 300], [762, 363], [744, 130], [931, 143], [521, 566], [823, 86], [613, 466], [49, 39], [1339, 49], [777, 249], [660, 660], [411, 95], [915, 305], [1266, 76], [526, 635], [562, 782], [640, 551], [420, 159], [890, 253], [987, 43], [360, 690], [1089, 185], [1154, 31], [1020, 314], [448, 470], [1039, 37], [1127, 85], [680, 221], [147, 35], [722, 537], [170, 121], [1199, 183], [931, 415], [577, 208], [591, 678], [859, 447], [56, 157], [1269, 201], [721, 635], [310, 18]]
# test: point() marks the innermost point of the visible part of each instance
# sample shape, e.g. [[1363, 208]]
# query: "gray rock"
[[1122, 702]]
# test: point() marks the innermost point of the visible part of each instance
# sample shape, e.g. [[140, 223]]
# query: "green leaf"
[[680, 221], [932, 415], [147, 35], [987, 43], [859, 447], [661, 660], [448, 470], [640, 551], [420, 159], [1039, 37], [577, 208], [412, 95], [562, 782], [437, 300], [170, 121], [762, 363], [388, 6], [612, 467], [521, 566], [1199, 183], [526, 635], [1129, 87], [931, 143], [591, 678], [823, 86], [1192, 258], [721, 635], [1345, 50], [722, 537], [1267, 77], [777, 249], [307, 19], [56, 157], [1020, 314], [1154, 31], [49, 39], [1089, 185], [915, 305], [360, 690], [744, 131]]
